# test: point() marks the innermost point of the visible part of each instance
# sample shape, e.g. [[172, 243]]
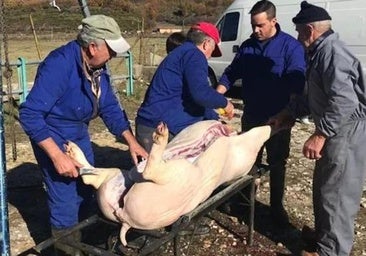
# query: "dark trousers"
[[277, 149]]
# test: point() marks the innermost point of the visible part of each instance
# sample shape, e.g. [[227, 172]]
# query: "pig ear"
[[74, 151]]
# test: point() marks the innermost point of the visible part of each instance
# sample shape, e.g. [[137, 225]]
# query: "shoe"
[[308, 235], [305, 120], [196, 230], [280, 216], [306, 253]]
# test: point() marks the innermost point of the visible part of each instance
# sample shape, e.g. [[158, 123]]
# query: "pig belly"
[[109, 194], [149, 205]]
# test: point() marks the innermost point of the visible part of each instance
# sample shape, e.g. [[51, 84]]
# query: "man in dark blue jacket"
[[271, 65], [71, 88], [179, 93]]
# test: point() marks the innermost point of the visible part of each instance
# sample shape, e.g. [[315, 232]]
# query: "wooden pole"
[[35, 36]]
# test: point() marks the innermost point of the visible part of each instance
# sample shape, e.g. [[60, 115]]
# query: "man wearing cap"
[[71, 88], [337, 101], [179, 93], [271, 65]]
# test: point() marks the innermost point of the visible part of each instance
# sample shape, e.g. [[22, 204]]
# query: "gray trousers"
[[337, 189]]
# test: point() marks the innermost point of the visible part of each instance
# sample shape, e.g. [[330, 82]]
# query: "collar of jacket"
[[313, 47]]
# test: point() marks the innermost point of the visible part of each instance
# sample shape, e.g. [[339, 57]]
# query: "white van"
[[348, 19]]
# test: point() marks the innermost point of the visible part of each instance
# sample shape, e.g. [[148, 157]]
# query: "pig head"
[[176, 177]]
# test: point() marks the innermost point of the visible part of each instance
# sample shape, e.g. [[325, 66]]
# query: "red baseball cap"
[[210, 30]]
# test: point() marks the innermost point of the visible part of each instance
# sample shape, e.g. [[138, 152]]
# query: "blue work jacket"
[[270, 72], [60, 103], [179, 93]]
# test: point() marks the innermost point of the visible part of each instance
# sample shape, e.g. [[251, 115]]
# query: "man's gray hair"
[[322, 25], [84, 39], [196, 36]]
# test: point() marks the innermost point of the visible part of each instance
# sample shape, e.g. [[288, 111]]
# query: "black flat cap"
[[310, 13]]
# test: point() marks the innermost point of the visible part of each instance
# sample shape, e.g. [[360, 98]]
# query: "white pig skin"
[[171, 184]]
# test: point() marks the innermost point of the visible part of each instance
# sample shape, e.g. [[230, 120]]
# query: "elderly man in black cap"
[[337, 101]]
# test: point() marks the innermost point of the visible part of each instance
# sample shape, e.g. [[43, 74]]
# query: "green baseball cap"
[[104, 27]]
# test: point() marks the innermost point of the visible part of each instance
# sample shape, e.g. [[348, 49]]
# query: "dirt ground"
[[28, 216]]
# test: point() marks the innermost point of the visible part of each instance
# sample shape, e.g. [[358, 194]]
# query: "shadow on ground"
[[27, 194], [269, 238]]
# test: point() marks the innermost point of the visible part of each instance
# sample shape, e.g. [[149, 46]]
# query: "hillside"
[[132, 15]]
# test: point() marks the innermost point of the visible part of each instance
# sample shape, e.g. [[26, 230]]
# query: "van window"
[[228, 26]]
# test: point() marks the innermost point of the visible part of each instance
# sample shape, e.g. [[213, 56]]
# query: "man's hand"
[[314, 145], [282, 120], [221, 89], [136, 149], [64, 165], [229, 110]]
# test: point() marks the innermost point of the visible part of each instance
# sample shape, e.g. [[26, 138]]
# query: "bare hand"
[[281, 121], [66, 166], [136, 150], [313, 146], [221, 89], [229, 110]]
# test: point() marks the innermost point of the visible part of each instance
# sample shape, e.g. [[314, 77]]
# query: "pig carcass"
[[176, 177]]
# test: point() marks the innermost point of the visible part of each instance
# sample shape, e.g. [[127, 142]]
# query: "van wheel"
[[212, 79]]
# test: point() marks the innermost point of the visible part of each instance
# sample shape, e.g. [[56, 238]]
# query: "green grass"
[[27, 49], [49, 20], [54, 29]]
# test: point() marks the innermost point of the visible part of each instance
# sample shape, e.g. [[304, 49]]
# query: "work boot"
[[280, 216], [61, 248], [308, 235]]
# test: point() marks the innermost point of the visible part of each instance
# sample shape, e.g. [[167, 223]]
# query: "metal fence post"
[[4, 216], [22, 79], [130, 73], [84, 8]]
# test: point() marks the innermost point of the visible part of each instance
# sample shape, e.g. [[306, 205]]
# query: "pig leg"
[[153, 170], [73, 151], [89, 174]]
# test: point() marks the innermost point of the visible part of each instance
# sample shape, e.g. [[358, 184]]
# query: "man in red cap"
[[179, 93]]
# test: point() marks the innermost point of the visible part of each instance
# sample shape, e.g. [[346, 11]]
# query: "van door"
[[230, 27], [349, 20]]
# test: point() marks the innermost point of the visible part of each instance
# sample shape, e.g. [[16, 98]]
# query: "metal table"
[[156, 238]]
